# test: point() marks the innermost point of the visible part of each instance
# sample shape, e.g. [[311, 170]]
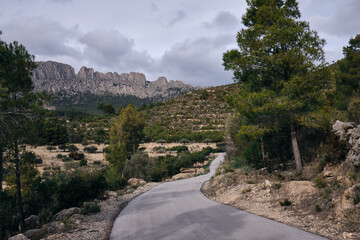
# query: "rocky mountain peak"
[[59, 78]]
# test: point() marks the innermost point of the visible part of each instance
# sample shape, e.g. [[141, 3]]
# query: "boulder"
[[66, 214], [299, 190], [35, 234], [350, 132], [53, 227], [267, 184], [135, 182], [32, 222], [19, 237]]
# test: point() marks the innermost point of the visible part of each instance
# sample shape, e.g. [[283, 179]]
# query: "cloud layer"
[[180, 39]]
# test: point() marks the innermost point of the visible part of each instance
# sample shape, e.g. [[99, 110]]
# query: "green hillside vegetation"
[[195, 116]]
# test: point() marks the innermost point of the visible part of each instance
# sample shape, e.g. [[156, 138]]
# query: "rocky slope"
[[325, 201], [83, 91], [59, 78]]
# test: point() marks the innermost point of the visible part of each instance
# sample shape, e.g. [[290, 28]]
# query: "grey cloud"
[[224, 20], [108, 48], [342, 22], [153, 7], [41, 36], [198, 61], [180, 15]]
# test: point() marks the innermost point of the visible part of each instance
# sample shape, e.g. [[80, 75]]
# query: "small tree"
[[207, 141], [72, 148], [106, 108]]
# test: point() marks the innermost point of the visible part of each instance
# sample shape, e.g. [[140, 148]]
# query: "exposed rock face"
[[66, 213], [60, 79], [349, 132]]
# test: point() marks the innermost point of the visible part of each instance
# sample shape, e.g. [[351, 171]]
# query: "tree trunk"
[[263, 151], [296, 150], [1, 177], [18, 187]]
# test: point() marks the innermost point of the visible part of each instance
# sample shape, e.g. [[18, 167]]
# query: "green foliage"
[[320, 183], [80, 189], [179, 148], [284, 82], [125, 135], [317, 208], [286, 202], [139, 166], [72, 148], [76, 156], [114, 178], [348, 74], [90, 208], [31, 158], [90, 149], [106, 108], [356, 199], [83, 162]]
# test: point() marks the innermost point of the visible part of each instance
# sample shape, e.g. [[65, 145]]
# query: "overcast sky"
[[179, 39]]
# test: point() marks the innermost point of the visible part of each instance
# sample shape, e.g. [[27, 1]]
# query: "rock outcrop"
[[350, 132], [60, 79]]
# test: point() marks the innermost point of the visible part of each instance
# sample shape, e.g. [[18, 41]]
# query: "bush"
[[90, 208], [320, 183], [114, 179], [317, 208], [59, 156], [72, 148], [139, 166], [90, 149], [97, 162], [83, 162], [356, 198], [76, 155], [286, 202], [179, 148]]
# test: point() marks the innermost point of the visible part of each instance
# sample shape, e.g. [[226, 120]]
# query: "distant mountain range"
[[85, 89]]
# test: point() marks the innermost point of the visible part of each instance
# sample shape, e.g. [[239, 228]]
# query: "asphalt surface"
[[178, 210]]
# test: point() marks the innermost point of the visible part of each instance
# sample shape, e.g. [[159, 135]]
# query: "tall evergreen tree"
[[17, 104], [125, 135], [280, 64]]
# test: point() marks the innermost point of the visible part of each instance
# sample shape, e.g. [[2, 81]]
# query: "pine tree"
[[280, 65]]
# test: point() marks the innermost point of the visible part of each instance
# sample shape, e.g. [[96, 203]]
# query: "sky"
[[179, 39]]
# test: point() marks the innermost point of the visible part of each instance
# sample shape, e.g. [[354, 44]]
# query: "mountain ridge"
[[60, 79]]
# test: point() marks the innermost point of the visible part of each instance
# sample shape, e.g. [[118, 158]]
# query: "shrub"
[[90, 208], [60, 156], [83, 162], [50, 148], [76, 155], [90, 149], [277, 185], [320, 183], [286, 202], [97, 162], [356, 198], [72, 148], [139, 166], [179, 148], [318, 208], [114, 179]]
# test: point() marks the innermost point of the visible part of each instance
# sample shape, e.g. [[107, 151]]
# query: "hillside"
[[196, 116]]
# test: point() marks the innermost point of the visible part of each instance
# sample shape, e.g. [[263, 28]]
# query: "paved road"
[[178, 210]]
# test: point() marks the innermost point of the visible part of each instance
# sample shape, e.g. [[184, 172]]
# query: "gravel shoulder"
[[99, 225]]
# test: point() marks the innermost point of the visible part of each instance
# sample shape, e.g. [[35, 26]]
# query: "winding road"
[[178, 210]]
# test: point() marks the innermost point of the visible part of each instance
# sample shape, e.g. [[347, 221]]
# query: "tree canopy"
[[281, 68]]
